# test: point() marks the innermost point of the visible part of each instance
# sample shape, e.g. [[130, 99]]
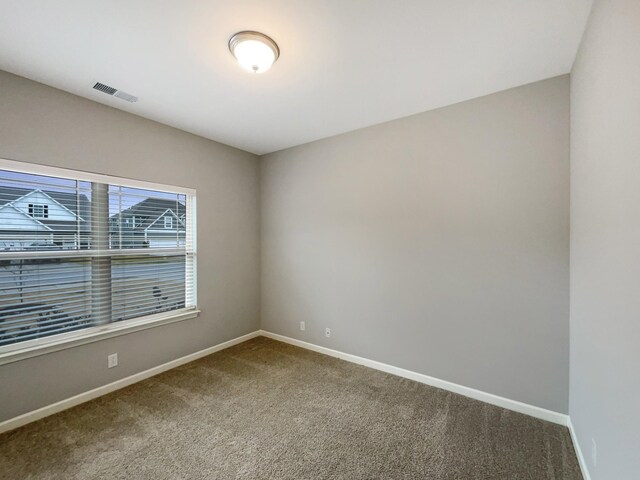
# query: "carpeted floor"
[[267, 410]]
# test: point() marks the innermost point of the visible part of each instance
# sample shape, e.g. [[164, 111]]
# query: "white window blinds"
[[79, 251]]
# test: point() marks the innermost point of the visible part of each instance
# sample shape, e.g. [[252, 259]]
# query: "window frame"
[[21, 350]]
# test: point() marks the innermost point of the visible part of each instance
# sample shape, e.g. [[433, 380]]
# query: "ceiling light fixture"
[[254, 51]]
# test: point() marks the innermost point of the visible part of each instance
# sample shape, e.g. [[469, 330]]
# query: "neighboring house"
[[47, 219], [153, 222], [42, 219]]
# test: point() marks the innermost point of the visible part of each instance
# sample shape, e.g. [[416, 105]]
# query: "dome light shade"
[[254, 51]]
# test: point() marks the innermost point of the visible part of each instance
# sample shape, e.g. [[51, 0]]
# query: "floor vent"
[[101, 87]]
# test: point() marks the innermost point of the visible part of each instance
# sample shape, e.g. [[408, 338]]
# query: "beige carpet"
[[264, 409]]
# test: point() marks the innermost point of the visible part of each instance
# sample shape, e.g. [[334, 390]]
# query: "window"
[[168, 222], [90, 257], [38, 210]]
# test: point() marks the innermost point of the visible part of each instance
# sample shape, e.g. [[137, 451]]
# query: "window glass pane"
[[43, 213], [146, 285], [141, 218], [43, 296]]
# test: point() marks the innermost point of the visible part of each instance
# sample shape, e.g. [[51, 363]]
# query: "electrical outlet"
[[112, 360], [302, 326], [594, 452], [327, 332]]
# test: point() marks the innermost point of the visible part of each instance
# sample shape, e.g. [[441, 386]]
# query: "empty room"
[[320, 239]]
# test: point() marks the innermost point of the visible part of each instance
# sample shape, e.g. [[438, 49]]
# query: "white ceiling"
[[344, 64]]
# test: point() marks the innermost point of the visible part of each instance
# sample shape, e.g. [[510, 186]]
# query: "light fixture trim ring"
[[253, 35]]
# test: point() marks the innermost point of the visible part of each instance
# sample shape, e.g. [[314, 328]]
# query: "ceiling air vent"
[[101, 87]]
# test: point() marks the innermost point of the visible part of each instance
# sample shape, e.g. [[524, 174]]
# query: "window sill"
[[95, 334]]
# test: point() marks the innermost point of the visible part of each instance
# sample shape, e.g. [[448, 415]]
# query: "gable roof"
[[78, 205], [33, 220], [150, 210], [164, 214]]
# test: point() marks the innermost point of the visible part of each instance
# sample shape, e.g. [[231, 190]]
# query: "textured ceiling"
[[345, 64]]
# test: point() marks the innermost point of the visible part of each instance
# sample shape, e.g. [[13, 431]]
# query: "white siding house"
[[37, 219]]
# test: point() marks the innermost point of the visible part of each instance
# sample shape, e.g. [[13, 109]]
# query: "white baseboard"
[[503, 402], [509, 404], [576, 446], [29, 417]]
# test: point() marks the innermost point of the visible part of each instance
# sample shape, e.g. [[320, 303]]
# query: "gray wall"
[[605, 240], [40, 124], [437, 243]]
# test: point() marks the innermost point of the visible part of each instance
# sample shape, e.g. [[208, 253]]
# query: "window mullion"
[[100, 265]]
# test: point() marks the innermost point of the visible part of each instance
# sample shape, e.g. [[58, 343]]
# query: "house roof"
[[150, 209], [78, 205]]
